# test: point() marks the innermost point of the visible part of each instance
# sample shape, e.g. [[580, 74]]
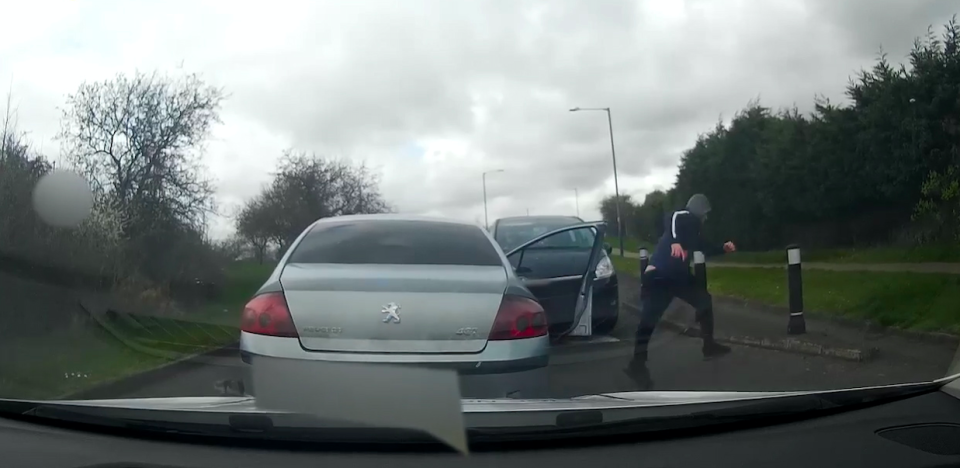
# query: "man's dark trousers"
[[656, 293]]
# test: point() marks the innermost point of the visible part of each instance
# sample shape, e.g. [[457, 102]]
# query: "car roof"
[[536, 219], [392, 217]]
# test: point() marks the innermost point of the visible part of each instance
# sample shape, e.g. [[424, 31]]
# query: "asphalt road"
[[595, 367]]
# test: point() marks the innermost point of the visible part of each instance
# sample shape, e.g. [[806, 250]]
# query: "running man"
[[668, 276]]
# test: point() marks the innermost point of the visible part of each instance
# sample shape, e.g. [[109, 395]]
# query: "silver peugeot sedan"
[[405, 290]]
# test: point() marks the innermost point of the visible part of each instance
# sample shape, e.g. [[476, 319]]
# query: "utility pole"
[[616, 183], [576, 198], [486, 222]]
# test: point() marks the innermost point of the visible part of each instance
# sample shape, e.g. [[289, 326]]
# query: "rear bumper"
[[515, 368]]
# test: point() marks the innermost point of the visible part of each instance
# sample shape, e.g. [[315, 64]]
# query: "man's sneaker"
[[712, 349], [639, 375]]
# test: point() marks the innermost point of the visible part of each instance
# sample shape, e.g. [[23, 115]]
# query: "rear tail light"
[[518, 318], [267, 314]]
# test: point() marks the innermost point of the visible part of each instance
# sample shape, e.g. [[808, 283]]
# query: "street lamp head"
[[574, 109]]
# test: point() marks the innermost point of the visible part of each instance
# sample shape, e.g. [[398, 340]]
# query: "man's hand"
[[729, 247], [676, 251]]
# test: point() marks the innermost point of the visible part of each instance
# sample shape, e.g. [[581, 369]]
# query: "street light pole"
[[616, 182], [486, 222], [576, 198]]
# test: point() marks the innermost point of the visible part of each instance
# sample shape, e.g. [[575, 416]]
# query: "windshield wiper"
[[225, 426], [664, 420], [627, 420]]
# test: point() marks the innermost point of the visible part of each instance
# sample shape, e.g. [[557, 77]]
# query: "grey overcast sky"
[[434, 92]]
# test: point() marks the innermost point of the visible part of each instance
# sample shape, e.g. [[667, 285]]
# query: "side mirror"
[[607, 248]]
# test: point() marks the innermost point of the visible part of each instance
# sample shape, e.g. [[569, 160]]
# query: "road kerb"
[[108, 388], [133, 343], [138, 378], [788, 344]]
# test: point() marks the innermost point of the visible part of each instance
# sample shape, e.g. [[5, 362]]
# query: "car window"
[[396, 243], [514, 233]]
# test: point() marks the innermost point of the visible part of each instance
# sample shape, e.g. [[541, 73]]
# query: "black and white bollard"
[[644, 261], [797, 325], [700, 269]]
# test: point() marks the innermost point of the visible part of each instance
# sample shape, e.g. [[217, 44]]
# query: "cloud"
[[433, 92]]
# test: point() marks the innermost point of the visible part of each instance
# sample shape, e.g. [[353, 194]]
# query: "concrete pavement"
[[753, 324], [927, 267]]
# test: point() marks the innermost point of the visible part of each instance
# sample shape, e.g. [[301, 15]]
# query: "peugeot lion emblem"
[[393, 313]]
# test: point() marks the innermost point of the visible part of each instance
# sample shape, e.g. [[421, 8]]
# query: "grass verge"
[[68, 361], [241, 281], [120, 345], [921, 302], [864, 255], [629, 244]]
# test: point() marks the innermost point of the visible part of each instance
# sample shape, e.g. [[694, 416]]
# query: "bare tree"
[[232, 248], [255, 225], [139, 139], [304, 189], [9, 122]]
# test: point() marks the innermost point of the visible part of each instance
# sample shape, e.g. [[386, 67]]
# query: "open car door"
[[561, 277]]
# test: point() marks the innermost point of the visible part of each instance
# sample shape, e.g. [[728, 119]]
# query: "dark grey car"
[[553, 269]]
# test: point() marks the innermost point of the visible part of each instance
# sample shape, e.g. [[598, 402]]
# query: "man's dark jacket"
[[680, 227]]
